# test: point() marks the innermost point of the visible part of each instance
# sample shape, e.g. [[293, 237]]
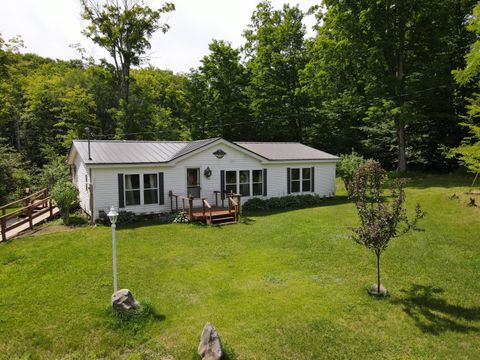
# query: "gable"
[[231, 154]]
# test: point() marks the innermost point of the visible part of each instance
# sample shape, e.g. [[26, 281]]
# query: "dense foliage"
[[380, 219], [65, 196], [468, 153], [347, 166], [376, 77]]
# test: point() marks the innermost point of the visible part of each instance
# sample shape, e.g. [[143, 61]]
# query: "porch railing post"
[[30, 219], [190, 207], [4, 229]]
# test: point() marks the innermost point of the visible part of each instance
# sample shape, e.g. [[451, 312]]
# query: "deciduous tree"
[[380, 220], [124, 29]]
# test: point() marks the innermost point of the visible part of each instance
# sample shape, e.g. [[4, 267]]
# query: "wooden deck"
[[219, 215]]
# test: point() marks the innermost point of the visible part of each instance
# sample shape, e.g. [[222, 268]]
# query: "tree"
[[14, 176], [54, 171], [124, 29], [157, 104], [216, 94], [395, 58], [275, 54], [65, 195], [468, 153], [380, 221]]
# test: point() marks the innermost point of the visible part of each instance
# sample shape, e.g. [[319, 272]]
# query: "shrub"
[[347, 166], [124, 217], [180, 217], [283, 202], [65, 196], [255, 204]]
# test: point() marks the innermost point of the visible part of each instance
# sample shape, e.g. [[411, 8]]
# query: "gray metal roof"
[[143, 152], [277, 151], [134, 152]]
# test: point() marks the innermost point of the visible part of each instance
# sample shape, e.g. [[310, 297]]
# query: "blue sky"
[[48, 27]]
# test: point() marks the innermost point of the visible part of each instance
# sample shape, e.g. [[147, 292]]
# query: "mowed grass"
[[284, 285]]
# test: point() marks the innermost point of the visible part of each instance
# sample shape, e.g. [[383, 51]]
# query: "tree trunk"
[[378, 272], [400, 128], [400, 73]]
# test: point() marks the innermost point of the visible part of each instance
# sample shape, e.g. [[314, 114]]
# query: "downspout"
[[90, 197]]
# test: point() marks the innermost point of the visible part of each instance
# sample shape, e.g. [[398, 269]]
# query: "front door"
[[193, 182]]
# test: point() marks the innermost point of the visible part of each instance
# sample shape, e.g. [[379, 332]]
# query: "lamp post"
[[113, 215]]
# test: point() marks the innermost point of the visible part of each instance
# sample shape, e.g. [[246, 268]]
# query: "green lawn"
[[285, 285]]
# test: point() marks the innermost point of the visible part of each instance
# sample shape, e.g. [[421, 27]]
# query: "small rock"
[[374, 290], [210, 347], [123, 300]]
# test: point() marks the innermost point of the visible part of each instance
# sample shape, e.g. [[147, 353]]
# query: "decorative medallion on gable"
[[219, 153]]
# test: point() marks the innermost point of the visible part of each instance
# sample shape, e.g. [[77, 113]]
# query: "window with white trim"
[[306, 179], [300, 180], [257, 182], [244, 188], [150, 188], [231, 181], [295, 181], [132, 189], [244, 182]]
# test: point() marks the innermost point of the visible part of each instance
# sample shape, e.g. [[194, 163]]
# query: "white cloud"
[[48, 27]]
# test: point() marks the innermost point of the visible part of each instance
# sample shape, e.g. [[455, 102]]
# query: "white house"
[[139, 176]]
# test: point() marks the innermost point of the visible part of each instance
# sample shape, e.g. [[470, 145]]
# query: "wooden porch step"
[[214, 219], [227, 223]]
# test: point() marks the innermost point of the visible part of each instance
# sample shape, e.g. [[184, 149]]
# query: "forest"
[[393, 80]]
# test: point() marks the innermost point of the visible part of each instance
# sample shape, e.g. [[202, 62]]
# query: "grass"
[[282, 285]]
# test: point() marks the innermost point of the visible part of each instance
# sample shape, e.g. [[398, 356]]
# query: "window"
[[244, 182], [132, 189], [301, 180], [150, 188], [295, 181], [306, 179], [257, 182], [193, 182], [231, 181]]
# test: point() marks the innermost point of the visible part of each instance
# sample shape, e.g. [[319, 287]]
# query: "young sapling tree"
[[380, 219]]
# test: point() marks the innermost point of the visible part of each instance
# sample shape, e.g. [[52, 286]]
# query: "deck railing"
[[174, 201], [185, 203], [36, 204], [206, 206]]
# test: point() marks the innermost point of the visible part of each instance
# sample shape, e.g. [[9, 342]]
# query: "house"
[[154, 176]]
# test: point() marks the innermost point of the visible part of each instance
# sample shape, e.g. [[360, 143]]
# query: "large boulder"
[[123, 300], [210, 347]]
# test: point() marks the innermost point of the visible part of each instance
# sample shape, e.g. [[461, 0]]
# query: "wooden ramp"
[[37, 207], [26, 226]]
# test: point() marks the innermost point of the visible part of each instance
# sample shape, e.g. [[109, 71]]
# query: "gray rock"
[[210, 347], [123, 300], [374, 290]]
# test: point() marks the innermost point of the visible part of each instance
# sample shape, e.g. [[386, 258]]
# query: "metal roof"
[[277, 151], [144, 152], [134, 152]]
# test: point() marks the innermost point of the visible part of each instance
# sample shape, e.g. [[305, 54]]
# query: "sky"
[[49, 27]]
